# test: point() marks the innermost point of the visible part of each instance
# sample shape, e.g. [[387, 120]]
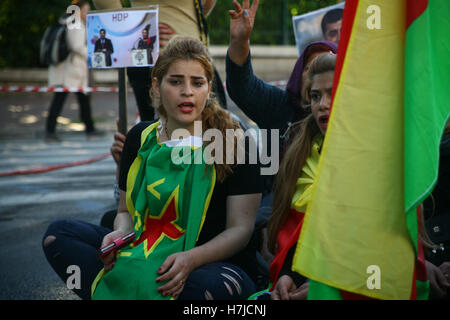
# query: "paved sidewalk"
[[29, 203]]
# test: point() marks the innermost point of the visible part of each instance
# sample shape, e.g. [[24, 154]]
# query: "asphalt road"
[[30, 202]]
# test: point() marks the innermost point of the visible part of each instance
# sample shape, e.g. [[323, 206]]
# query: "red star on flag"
[[156, 228]]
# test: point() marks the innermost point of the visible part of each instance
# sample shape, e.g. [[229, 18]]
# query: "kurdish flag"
[[380, 157], [168, 203]]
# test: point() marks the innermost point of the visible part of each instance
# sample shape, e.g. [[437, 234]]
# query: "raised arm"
[[265, 104], [241, 26]]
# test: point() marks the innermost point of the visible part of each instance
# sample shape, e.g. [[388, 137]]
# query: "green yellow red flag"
[[390, 106], [168, 204]]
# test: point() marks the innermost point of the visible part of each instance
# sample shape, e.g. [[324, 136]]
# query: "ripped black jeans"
[[76, 243]]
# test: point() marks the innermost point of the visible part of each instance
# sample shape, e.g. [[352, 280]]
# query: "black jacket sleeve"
[[265, 104]]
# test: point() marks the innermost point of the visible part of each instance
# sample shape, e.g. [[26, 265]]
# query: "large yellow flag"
[[354, 236]]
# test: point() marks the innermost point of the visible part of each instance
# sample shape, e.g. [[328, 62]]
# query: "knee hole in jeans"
[[48, 240]]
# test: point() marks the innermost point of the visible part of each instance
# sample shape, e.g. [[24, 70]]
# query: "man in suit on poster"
[[104, 45]]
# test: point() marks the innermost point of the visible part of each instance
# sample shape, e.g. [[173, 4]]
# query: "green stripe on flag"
[[427, 106], [320, 291]]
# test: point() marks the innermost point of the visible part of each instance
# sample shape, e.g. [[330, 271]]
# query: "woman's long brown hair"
[[213, 116], [295, 157]]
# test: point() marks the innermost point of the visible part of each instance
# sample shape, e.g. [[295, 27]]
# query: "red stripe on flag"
[[420, 270], [420, 267], [346, 31], [287, 237], [414, 8]]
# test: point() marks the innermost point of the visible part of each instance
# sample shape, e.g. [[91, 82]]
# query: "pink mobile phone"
[[117, 244]]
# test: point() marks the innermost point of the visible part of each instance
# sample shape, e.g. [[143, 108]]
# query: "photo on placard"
[[125, 38], [322, 24]]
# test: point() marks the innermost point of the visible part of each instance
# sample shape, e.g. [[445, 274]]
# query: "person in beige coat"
[[71, 73]]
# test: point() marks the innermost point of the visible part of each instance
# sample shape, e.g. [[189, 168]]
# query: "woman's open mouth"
[[186, 107], [323, 121]]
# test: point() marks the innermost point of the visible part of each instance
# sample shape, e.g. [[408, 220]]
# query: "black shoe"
[[51, 137]]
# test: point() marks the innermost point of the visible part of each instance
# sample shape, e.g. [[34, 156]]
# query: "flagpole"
[[122, 101]]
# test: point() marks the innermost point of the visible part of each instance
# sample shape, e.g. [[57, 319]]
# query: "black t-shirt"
[[245, 179]]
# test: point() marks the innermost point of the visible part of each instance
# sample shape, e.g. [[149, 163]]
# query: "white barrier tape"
[[88, 89], [55, 89]]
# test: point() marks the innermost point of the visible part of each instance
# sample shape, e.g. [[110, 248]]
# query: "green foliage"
[[22, 24]]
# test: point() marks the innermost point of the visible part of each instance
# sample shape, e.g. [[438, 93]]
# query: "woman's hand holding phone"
[[109, 258]]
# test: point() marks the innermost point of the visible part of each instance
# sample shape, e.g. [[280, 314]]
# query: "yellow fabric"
[[303, 187], [356, 218], [132, 173], [107, 4], [178, 14]]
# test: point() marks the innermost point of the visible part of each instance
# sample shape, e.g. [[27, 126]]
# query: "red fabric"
[[420, 271], [346, 31], [353, 296], [156, 226], [414, 8], [286, 238], [420, 262]]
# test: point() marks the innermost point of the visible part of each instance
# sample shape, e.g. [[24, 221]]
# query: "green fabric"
[[170, 224], [427, 102], [423, 290], [260, 293], [426, 109], [320, 291]]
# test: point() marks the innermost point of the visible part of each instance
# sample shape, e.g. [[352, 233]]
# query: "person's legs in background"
[[140, 79], [54, 111], [86, 112]]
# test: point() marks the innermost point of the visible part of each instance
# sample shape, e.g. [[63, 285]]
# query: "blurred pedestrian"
[[71, 73]]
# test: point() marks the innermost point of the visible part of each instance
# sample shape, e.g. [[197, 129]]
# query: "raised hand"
[[241, 26], [242, 20]]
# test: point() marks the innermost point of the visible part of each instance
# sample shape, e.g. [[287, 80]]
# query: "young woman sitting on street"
[[193, 220]]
